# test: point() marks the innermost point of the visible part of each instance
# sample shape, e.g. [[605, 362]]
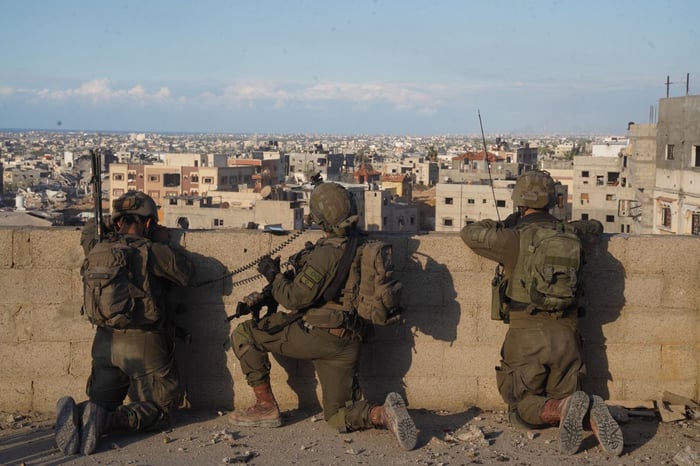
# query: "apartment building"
[[677, 186], [381, 211]]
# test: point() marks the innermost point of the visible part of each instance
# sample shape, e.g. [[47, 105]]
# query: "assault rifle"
[[96, 182], [253, 304]]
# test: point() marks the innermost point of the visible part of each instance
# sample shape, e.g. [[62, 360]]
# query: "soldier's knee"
[[241, 340]]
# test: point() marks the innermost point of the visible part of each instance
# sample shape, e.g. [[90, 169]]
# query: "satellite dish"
[[265, 192]]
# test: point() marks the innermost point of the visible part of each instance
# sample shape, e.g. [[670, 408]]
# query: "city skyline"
[[357, 67]]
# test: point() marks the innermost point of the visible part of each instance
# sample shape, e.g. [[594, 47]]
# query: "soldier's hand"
[[269, 267]]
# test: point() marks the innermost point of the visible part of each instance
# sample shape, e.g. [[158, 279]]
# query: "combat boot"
[[264, 413], [393, 416], [604, 427], [67, 426], [97, 421], [568, 413]]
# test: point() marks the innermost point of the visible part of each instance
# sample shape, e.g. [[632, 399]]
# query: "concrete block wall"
[[640, 330]]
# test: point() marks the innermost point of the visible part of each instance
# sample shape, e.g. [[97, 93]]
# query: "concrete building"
[[677, 186], [457, 204], [597, 191], [638, 172], [229, 210], [382, 212]]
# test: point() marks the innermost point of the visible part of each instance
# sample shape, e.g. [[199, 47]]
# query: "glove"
[[269, 267]]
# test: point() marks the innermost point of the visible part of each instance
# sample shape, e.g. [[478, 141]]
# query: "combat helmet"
[[534, 189], [333, 208], [134, 203]]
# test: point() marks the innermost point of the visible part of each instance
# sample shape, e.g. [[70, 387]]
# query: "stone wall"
[[640, 330]]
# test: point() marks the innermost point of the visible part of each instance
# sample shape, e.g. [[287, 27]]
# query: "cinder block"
[[474, 360], [80, 359], [488, 396], [60, 322], [680, 292], [47, 391], [35, 359], [15, 393], [35, 286], [6, 248], [676, 253], [679, 363], [661, 325], [630, 361], [644, 290], [491, 332], [15, 323], [21, 249], [602, 324], [56, 249], [434, 393]]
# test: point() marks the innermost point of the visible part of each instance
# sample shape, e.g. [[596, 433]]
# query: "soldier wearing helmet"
[[137, 357], [541, 363], [319, 330]]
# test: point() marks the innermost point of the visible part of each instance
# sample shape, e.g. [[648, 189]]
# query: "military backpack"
[[373, 291], [115, 284], [546, 275]]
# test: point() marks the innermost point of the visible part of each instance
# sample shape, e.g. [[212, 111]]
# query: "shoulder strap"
[[341, 273]]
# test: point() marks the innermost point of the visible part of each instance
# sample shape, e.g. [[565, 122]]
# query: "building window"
[[695, 224], [624, 161], [171, 180], [500, 203], [610, 218], [208, 180], [218, 222], [118, 177], [584, 216], [117, 192], [449, 200], [224, 180], [194, 178], [483, 201], [612, 178], [669, 152], [696, 156], [599, 180], [666, 216], [584, 174], [131, 177], [609, 197], [447, 222], [413, 220], [153, 178], [384, 221], [172, 201], [470, 201]]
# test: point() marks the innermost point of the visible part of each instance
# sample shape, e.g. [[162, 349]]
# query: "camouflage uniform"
[[333, 348], [139, 361], [541, 355]]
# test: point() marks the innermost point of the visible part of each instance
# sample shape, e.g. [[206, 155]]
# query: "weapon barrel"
[[97, 191]]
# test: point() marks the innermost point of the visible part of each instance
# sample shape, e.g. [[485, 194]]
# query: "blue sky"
[[404, 67]]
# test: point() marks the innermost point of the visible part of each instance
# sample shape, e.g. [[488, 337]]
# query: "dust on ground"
[[469, 437]]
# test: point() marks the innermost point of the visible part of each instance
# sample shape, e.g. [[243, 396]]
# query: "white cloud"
[[97, 90], [5, 91]]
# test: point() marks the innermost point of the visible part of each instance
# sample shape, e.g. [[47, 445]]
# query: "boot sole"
[[67, 426], [571, 424], [89, 434], [609, 433], [400, 421]]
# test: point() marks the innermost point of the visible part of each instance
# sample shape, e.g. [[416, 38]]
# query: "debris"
[[670, 413], [687, 457], [166, 439], [531, 435], [473, 435], [317, 417], [674, 399], [242, 458], [352, 451]]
